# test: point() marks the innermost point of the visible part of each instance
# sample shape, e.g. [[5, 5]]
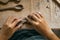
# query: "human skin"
[[9, 27], [41, 26], [36, 19]]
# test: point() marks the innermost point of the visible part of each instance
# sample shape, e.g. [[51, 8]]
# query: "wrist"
[[3, 37], [51, 35], [4, 34]]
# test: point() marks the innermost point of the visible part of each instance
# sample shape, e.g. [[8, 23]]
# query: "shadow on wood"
[[56, 3]]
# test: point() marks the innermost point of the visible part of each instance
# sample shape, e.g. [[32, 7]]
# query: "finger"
[[40, 14], [18, 27], [33, 17], [30, 20], [11, 19], [8, 19], [36, 14], [16, 22]]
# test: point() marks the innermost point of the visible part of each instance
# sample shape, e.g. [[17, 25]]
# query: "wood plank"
[[22, 14], [48, 9]]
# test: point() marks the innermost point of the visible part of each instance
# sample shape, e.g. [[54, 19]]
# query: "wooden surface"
[[48, 8]]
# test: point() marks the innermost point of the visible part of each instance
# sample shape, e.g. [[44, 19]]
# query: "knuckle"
[[8, 25], [37, 23], [40, 20]]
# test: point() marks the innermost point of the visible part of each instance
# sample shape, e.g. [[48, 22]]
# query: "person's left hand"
[[10, 26], [39, 23]]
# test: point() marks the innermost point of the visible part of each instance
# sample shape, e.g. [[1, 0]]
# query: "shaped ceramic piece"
[[6, 1], [16, 8], [58, 1]]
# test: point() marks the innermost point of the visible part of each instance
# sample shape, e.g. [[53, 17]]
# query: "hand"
[[41, 26], [39, 23], [10, 27]]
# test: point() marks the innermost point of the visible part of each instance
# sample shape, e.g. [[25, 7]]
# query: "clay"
[[6, 1], [16, 8]]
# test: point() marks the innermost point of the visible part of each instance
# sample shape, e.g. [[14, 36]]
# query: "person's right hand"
[[10, 27]]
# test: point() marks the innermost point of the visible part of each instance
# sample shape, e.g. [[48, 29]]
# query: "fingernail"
[[38, 12]]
